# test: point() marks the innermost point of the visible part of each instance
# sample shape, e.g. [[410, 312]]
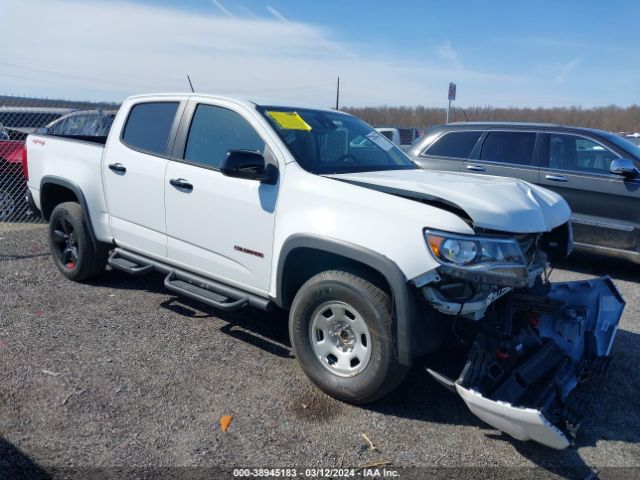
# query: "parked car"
[[29, 119], [15, 124], [87, 123], [595, 171], [13, 185], [635, 138], [402, 137], [378, 261]]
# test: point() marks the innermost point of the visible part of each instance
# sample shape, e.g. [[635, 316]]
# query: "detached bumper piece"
[[533, 350]]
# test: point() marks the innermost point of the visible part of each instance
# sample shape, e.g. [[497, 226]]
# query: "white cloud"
[[447, 53], [87, 50], [566, 70]]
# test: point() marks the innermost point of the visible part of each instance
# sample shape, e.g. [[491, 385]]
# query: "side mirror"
[[624, 167], [248, 165], [42, 131]]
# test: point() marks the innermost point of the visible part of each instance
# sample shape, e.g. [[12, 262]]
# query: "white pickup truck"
[[378, 261]]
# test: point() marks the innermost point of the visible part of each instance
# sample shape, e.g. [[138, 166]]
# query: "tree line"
[[611, 118]]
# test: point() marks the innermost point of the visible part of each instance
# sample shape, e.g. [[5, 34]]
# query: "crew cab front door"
[[218, 226], [605, 206]]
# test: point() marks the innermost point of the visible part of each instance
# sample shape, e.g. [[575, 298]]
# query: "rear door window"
[[149, 126], [509, 147], [454, 145]]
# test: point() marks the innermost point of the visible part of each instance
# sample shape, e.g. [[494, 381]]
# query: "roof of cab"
[[246, 101]]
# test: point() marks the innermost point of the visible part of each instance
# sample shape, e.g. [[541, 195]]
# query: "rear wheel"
[[340, 326], [75, 253]]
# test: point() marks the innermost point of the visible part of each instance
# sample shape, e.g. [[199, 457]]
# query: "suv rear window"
[[454, 144], [509, 147], [149, 125]]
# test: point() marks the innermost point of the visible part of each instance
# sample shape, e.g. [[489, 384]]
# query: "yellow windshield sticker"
[[289, 121]]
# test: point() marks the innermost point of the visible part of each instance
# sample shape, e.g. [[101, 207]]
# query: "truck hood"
[[495, 203]]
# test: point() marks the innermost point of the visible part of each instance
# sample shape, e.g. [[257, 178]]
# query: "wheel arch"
[[322, 253], [56, 190]]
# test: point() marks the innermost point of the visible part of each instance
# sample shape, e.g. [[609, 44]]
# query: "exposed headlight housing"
[[481, 259]]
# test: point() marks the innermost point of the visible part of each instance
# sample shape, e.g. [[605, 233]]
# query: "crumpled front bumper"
[[522, 384]]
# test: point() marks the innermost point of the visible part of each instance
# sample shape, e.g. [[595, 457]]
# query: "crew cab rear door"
[[218, 226], [133, 172], [506, 153]]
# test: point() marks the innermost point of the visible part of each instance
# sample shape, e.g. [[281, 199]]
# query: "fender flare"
[[77, 191], [405, 307]]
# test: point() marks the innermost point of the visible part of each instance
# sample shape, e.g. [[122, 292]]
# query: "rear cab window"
[[454, 144], [509, 147], [149, 126]]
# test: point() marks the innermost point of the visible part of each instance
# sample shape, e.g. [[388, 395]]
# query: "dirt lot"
[[120, 373]]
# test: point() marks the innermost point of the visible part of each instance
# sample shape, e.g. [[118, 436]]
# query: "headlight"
[[465, 255]]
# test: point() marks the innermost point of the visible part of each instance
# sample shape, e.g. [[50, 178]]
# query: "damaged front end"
[[531, 344]]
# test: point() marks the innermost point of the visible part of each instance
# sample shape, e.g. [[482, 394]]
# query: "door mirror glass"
[[623, 166], [248, 165]]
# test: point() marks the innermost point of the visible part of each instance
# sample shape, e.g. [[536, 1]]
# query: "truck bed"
[[99, 140], [78, 160]]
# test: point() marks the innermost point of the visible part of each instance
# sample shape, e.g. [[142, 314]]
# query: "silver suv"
[[595, 171]]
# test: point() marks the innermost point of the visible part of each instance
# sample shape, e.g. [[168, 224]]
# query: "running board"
[[204, 292], [128, 266], [207, 291]]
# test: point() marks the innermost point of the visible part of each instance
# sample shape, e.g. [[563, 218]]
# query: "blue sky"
[[535, 53]]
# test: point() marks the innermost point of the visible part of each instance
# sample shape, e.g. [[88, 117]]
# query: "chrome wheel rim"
[[340, 338]]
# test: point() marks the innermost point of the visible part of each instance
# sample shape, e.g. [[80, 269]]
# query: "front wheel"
[[340, 326], [75, 253]]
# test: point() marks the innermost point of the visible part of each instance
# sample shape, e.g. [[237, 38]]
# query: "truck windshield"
[[332, 142]]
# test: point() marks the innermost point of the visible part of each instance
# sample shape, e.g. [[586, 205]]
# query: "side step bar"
[[189, 285], [128, 266]]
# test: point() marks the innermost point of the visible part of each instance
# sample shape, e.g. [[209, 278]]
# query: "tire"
[[75, 253], [12, 188], [348, 303]]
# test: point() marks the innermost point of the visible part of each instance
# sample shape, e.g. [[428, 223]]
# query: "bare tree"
[[610, 118]]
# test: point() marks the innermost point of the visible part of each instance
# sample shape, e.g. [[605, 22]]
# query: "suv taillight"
[[25, 166]]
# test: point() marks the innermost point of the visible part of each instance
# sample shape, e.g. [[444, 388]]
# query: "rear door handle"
[[476, 168], [117, 167], [181, 183], [556, 178]]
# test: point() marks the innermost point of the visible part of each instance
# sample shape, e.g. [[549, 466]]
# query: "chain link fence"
[[20, 116]]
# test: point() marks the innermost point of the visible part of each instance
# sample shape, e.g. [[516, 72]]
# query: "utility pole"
[[338, 95]]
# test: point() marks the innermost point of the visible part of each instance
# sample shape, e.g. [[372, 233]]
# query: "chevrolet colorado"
[[243, 203]]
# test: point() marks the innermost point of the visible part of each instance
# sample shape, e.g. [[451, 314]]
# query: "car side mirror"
[[624, 167], [42, 131], [248, 165]]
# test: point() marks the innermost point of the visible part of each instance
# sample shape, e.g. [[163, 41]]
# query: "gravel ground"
[[120, 373]]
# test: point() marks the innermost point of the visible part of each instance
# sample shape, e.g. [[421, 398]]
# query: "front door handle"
[[476, 168], [556, 178], [117, 167], [181, 183]]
